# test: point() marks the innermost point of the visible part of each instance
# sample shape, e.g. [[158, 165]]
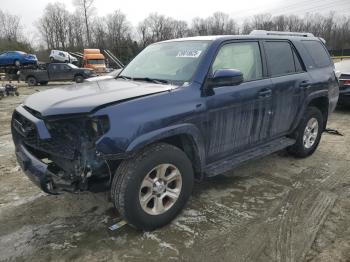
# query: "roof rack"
[[264, 32]]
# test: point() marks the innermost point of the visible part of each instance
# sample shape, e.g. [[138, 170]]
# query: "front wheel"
[[32, 81], [150, 189], [308, 133], [79, 79]]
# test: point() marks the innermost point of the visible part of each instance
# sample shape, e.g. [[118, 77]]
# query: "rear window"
[[280, 58], [318, 53]]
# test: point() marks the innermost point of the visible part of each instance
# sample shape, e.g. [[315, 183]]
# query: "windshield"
[[114, 73], [96, 61], [171, 61]]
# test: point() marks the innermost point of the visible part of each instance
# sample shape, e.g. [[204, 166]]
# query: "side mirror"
[[226, 77]]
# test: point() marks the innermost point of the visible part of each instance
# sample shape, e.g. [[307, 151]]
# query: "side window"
[[280, 60], [317, 52], [298, 66], [61, 54], [243, 56], [63, 67]]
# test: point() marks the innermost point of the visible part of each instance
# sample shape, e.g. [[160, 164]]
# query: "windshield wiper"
[[124, 77], [153, 80]]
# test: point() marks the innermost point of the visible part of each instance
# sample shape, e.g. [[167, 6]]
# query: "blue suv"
[[182, 110]]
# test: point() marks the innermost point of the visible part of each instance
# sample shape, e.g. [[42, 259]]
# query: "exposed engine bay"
[[70, 152]]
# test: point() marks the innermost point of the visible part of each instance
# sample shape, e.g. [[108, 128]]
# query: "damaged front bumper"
[[36, 170], [59, 155]]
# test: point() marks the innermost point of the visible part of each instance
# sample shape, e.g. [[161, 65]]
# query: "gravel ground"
[[277, 208]]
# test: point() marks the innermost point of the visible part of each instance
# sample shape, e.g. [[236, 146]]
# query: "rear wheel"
[[79, 79], [150, 189], [308, 133], [52, 59], [32, 81]]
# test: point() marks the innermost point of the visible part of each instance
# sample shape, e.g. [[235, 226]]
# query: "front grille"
[[27, 132]]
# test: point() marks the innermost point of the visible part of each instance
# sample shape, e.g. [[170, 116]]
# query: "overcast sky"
[[30, 11]]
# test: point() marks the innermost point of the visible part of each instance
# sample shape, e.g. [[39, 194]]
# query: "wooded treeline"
[[11, 35], [82, 28]]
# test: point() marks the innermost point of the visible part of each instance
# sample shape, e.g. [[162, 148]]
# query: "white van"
[[62, 56]]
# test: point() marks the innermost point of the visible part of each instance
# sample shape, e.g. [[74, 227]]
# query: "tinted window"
[[298, 66], [242, 56], [318, 53], [64, 67], [280, 59]]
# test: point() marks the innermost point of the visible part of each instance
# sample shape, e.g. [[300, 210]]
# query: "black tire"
[[299, 149], [52, 59], [79, 79], [32, 81], [127, 181], [17, 63], [66, 61], [43, 83]]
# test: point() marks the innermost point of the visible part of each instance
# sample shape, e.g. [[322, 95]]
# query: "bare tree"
[[85, 7], [54, 25], [10, 28], [217, 24], [61, 29]]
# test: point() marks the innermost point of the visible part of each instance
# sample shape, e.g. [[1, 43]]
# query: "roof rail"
[[264, 32]]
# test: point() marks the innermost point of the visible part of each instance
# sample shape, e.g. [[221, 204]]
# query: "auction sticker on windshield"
[[189, 53]]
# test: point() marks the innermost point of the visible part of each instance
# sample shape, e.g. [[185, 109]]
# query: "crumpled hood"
[[83, 98]]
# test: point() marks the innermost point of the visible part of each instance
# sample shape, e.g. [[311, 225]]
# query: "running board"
[[230, 162]]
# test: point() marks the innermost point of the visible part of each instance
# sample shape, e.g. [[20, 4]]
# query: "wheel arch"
[[317, 99], [31, 76], [187, 137], [78, 74], [322, 103]]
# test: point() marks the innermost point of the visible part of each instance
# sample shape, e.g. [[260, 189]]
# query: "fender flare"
[[309, 98], [181, 129]]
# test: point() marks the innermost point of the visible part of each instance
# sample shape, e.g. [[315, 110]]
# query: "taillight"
[[346, 82]]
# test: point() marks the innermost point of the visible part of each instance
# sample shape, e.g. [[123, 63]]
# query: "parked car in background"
[[55, 72], [110, 75], [62, 56], [17, 58], [95, 60], [181, 110], [342, 69]]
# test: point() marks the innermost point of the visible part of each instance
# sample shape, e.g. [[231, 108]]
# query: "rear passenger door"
[[289, 82]]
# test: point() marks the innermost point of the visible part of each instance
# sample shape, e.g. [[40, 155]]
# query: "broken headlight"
[[100, 125]]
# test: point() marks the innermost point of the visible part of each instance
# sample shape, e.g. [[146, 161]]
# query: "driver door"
[[238, 116]]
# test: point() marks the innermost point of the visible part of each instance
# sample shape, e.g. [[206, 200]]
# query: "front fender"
[[159, 134]]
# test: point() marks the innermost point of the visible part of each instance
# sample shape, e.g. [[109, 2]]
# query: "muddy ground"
[[277, 208]]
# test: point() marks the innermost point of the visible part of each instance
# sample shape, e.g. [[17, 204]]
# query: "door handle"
[[265, 93], [305, 84]]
